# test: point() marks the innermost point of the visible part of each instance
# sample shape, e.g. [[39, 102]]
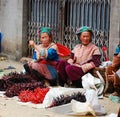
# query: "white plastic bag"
[[88, 82], [82, 108], [91, 82], [94, 87], [55, 92], [92, 98], [105, 64]]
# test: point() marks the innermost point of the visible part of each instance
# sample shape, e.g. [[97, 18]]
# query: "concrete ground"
[[10, 108]]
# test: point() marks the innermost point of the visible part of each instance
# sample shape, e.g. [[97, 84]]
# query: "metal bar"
[[39, 12], [90, 14], [55, 10], [103, 15], [98, 15], [47, 15], [74, 13], [80, 23], [107, 15], [71, 13], [44, 12], [32, 14], [86, 13], [78, 14], [30, 9], [35, 11], [94, 14], [53, 13], [82, 13], [50, 13]]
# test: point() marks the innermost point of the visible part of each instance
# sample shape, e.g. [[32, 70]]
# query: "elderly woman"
[[84, 57], [46, 55]]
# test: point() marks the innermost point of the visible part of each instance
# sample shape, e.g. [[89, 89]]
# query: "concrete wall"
[[114, 26], [11, 25]]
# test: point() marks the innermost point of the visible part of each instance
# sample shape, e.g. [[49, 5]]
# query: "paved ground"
[[10, 108]]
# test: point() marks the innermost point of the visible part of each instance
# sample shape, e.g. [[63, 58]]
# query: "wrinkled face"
[[85, 38], [45, 39]]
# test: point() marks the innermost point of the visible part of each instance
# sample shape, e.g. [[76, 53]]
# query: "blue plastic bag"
[[0, 41]]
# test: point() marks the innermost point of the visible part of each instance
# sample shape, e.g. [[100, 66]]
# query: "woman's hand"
[[70, 61], [30, 63], [31, 43], [38, 55], [36, 47]]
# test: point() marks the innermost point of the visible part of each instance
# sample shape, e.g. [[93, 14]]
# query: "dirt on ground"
[[10, 108]]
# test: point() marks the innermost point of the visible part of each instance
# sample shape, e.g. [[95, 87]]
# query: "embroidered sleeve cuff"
[[88, 66]]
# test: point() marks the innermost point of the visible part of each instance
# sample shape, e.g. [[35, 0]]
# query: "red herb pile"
[[35, 96]]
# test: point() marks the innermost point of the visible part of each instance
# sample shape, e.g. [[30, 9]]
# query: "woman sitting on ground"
[[46, 56], [84, 57]]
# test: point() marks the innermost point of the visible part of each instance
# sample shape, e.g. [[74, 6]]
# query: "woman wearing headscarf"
[[46, 56], [84, 57]]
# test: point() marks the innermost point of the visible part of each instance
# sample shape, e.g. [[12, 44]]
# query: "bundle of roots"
[[67, 99], [14, 82], [12, 78], [15, 75], [17, 87]]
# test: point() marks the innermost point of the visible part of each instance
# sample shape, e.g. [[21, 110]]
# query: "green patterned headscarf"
[[84, 29], [45, 30]]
